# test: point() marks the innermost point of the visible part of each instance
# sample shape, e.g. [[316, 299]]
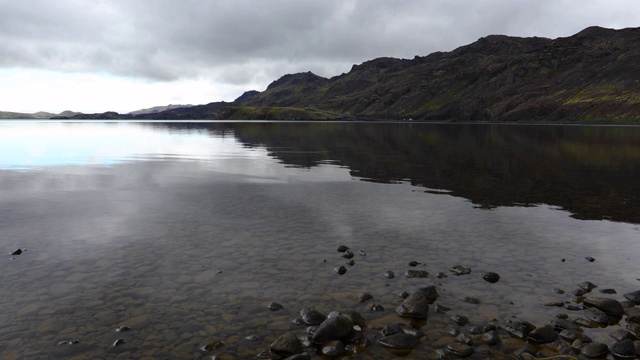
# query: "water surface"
[[185, 232]]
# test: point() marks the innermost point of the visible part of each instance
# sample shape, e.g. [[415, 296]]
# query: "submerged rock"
[[608, 306], [334, 328], [634, 297], [545, 334], [401, 341], [459, 319], [362, 297], [389, 274], [414, 306], [595, 315], [519, 329], [460, 270], [623, 349], [333, 348], [342, 248], [430, 292], [274, 306], [286, 345], [587, 286], [312, 317], [459, 349], [595, 350], [416, 273]]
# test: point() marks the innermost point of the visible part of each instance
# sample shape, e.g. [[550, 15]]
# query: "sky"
[[124, 55]]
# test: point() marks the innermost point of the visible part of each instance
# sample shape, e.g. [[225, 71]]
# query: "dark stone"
[[589, 259], [545, 334], [608, 291], [491, 337], [441, 275], [460, 319], [122, 328], [595, 350], [334, 328], [340, 270], [403, 294], [351, 262], [587, 286], [471, 300], [312, 317], [286, 345], [389, 274], [460, 270], [347, 254], [623, 349], [430, 292], [16, 252], [558, 291], [362, 253], [519, 329], [401, 341], [633, 297], [416, 273], [303, 356], [608, 306], [578, 292], [355, 317], [413, 263], [464, 338], [342, 248], [212, 346], [459, 349], [414, 306], [274, 306], [377, 307], [595, 315], [481, 329], [333, 348], [362, 297], [491, 277], [390, 329]]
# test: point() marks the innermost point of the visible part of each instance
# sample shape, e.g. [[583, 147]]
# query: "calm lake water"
[[185, 232]]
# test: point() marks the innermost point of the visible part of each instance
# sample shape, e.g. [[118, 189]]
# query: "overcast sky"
[[124, 55]]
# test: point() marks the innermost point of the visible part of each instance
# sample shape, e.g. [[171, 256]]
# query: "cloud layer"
[[248, 43]]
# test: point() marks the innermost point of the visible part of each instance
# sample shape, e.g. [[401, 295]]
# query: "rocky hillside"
[[591, 76]]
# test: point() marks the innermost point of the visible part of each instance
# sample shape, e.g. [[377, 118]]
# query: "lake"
[[186, 232]]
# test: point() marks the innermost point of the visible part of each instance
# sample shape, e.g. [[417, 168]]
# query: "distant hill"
[[591, 76], [158, 109]]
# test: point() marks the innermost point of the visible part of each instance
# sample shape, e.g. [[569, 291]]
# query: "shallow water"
[[186, 232]]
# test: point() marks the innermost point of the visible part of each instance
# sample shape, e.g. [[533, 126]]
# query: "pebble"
[[590, 259], [362, 297], [459, 319], [413, 263], [274, 306], [595, 315], [16, 252], [118, 342], [491, 277], [471, 300], [347, 254], [312, 317], [340, 270], [342, 248], [587, 286], [460, 270], [416, 273], [389, 274], [334, 328]]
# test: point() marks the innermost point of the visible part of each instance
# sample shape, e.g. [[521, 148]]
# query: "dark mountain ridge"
[[592, 76]]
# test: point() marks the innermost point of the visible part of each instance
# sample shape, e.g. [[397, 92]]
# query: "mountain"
[[157, 109], [38, 115], [591, 76]]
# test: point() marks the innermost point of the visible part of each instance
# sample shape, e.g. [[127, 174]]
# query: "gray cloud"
[[255, 41]]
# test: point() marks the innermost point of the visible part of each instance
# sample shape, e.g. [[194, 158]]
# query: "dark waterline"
[[186, 231]]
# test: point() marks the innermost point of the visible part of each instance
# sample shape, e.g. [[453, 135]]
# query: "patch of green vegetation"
[[275, 113]]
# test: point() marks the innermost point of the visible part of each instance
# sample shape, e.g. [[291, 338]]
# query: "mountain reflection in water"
[[590, 171]]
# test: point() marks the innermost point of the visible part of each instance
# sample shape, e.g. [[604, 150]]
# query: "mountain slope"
[[593, 75]]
